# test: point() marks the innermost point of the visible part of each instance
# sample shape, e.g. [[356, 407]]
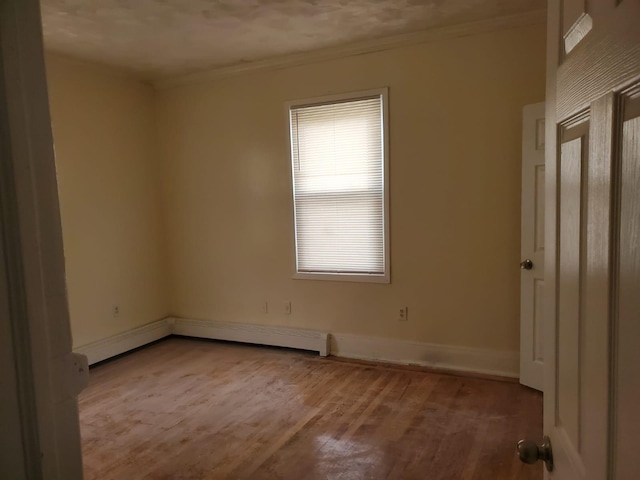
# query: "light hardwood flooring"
[[194, 409]]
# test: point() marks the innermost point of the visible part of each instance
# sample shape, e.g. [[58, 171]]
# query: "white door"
[[40, 428], [532, 247], [592, 231]]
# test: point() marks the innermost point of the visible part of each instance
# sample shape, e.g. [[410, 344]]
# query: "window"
[[339, 164]]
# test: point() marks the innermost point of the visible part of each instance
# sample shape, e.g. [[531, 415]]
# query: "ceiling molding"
[[536, 17]]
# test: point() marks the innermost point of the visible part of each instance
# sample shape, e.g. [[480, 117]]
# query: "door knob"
[[530, 452], [526, 265]]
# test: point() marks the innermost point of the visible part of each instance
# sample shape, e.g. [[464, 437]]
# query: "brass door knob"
[[526, 264], [530, 452]]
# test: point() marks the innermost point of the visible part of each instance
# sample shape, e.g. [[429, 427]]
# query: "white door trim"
[[30, 216]]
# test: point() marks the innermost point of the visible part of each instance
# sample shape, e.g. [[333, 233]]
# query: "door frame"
[[34, 267], [550, 213]]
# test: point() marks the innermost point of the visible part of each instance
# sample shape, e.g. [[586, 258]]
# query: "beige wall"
[[105, 141], [455, 136]]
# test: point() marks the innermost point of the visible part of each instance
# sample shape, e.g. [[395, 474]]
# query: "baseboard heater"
[[447, 357], [275, 336]]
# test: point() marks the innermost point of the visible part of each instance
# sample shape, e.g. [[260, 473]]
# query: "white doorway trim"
[[48, 375]]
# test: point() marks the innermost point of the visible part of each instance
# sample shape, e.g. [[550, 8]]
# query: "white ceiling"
[[160, 38]]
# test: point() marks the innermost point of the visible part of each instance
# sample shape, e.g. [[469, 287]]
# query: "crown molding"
[[536, 17]]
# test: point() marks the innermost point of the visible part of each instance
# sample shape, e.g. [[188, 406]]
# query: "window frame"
[[385, 277]]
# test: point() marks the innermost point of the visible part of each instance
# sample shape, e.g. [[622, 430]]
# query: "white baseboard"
[[447, 357], [473, 360], [125, 341], [259, 334]]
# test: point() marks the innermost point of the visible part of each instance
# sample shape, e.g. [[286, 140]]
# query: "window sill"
[[343, 277]]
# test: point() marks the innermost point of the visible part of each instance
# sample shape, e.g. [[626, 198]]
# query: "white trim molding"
[[125, 341], [378, 349], [272, 335], [537, 17], [446, 357]]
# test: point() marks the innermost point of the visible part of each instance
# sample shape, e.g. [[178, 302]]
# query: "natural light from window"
[[339, 174]]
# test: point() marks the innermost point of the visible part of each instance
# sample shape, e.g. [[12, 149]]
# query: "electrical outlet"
[[403, 314], [287, 307], [115, 311], [265, 307]]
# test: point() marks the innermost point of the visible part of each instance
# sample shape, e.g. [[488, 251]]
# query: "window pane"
[[338, 171]]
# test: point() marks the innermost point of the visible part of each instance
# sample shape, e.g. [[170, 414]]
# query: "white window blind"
[[338, 164]]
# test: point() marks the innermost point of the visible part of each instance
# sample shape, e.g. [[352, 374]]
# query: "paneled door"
[[532, 248], [592, 241]]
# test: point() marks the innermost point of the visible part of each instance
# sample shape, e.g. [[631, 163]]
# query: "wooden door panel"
[[606, 60], [568, 364], [627, 394], [573, 164]]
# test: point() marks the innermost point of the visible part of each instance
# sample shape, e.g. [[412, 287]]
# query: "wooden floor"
[[193, 409]]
